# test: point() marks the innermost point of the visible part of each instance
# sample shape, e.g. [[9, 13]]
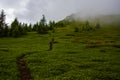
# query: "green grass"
[[88, 55]]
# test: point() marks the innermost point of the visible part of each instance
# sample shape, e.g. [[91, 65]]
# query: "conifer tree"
[[6, 31], [51, 25], [35, 27], [2, 23], [42, 27], [15, 30], [30, 28]]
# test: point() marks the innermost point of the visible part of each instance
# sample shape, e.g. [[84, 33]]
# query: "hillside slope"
[[87, 55]]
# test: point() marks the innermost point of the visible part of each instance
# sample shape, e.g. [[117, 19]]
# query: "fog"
[[31, 11]]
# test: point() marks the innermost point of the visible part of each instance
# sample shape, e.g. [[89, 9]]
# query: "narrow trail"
[[23, 69]]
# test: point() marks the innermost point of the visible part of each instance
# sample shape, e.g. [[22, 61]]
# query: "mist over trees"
[[17, 29]]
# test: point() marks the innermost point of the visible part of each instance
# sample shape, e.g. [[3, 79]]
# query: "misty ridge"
[[94, 18]]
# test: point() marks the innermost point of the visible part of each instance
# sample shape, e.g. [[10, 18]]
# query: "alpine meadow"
[[76, 47]]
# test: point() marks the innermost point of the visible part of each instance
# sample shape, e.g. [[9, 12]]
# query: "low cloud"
[[31, 10]]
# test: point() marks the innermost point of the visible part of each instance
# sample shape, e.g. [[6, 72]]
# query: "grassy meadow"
[[87, 55]]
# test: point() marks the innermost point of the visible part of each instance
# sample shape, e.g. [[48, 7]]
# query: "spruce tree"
[[6, 31], [30, 28], [35, 27], [42, 26], [2, 23], [15, 30], [51, 25]]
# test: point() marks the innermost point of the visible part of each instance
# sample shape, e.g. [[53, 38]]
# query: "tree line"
[[17, 29]]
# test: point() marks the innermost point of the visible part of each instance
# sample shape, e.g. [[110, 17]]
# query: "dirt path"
[[23, 69]]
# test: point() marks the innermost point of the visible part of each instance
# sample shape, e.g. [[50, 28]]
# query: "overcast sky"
[[32, 10]]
